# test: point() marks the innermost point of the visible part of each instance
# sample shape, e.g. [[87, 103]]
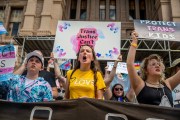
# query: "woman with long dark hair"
[[118, 93], [85, 80]]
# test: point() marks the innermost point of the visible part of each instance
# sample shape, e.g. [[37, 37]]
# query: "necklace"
[[153, 83]]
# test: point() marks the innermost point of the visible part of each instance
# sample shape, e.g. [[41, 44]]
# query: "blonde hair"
[[143, 67]]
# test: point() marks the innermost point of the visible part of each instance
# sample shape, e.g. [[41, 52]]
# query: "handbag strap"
[[166, 95]]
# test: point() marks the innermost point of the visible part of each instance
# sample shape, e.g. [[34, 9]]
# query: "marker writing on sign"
[[7, 51]]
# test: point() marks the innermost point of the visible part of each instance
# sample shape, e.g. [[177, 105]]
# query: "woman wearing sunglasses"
[[118, 93]]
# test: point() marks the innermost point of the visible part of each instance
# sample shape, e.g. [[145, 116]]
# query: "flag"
[[2, 29], [137, 66]]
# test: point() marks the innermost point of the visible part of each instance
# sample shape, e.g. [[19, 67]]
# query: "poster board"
[[104, 37], [159, 30], [122, 67], [7, 59]]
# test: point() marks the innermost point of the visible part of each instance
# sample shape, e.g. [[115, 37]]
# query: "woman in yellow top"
[[85, 80]]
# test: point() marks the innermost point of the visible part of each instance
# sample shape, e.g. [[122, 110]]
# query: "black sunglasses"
[[59, 90], [116, 89]]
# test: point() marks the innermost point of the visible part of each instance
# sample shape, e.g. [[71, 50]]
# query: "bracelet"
[[134, 45]]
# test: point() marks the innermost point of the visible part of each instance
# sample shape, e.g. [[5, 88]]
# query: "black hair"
[[114, 87]]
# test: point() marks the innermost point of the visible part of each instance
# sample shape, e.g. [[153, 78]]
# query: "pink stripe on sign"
[[7, 55], [6, 70]]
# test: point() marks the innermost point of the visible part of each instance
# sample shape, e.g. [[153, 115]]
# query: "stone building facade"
[[123, 10]]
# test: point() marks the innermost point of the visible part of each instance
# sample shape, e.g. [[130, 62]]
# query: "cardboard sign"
[[121, 67], [160, 30], [104, 37], [7, 59]]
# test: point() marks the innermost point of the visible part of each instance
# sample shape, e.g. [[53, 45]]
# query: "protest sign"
[[122, 67], [159, 30], [7, 59], [104, 37]]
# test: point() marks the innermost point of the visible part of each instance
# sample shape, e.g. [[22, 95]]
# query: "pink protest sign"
[[103, 37], [7, 59]]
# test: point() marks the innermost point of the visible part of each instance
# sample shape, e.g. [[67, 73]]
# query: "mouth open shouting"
[[84, 58], [85, 55]]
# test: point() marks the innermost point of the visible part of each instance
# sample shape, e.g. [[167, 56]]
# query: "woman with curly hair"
[[150, 87], [85, 80]]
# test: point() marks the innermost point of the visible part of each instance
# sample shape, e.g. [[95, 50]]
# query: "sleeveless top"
[[152, 96]]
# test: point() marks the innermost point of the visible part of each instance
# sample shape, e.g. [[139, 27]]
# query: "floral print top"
[[38, 90]]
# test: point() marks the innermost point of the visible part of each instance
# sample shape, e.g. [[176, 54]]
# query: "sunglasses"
[[59, 90], [117, 89]]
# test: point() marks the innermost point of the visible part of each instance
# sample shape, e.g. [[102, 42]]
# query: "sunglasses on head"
[[117, 89]]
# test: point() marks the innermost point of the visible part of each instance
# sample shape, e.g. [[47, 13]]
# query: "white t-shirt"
[[28, 81]]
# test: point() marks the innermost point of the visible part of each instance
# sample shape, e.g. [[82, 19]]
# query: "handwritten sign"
[[7, 59], [122, 67], [103, 37], [160, 30]]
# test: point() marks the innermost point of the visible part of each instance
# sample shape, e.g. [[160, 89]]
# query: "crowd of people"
[[32, 83]]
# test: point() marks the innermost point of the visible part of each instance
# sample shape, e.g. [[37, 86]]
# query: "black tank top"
[[152, 96]]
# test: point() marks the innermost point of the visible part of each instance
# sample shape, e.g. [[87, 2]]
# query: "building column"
[[7, 15], [46, 18], [175, 5], [124, 7], [88, 9], [94, 10], [58, 5], [29, 16], [118, 10], [137, 9], [107, 9], [166, 10], [78, 9]]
